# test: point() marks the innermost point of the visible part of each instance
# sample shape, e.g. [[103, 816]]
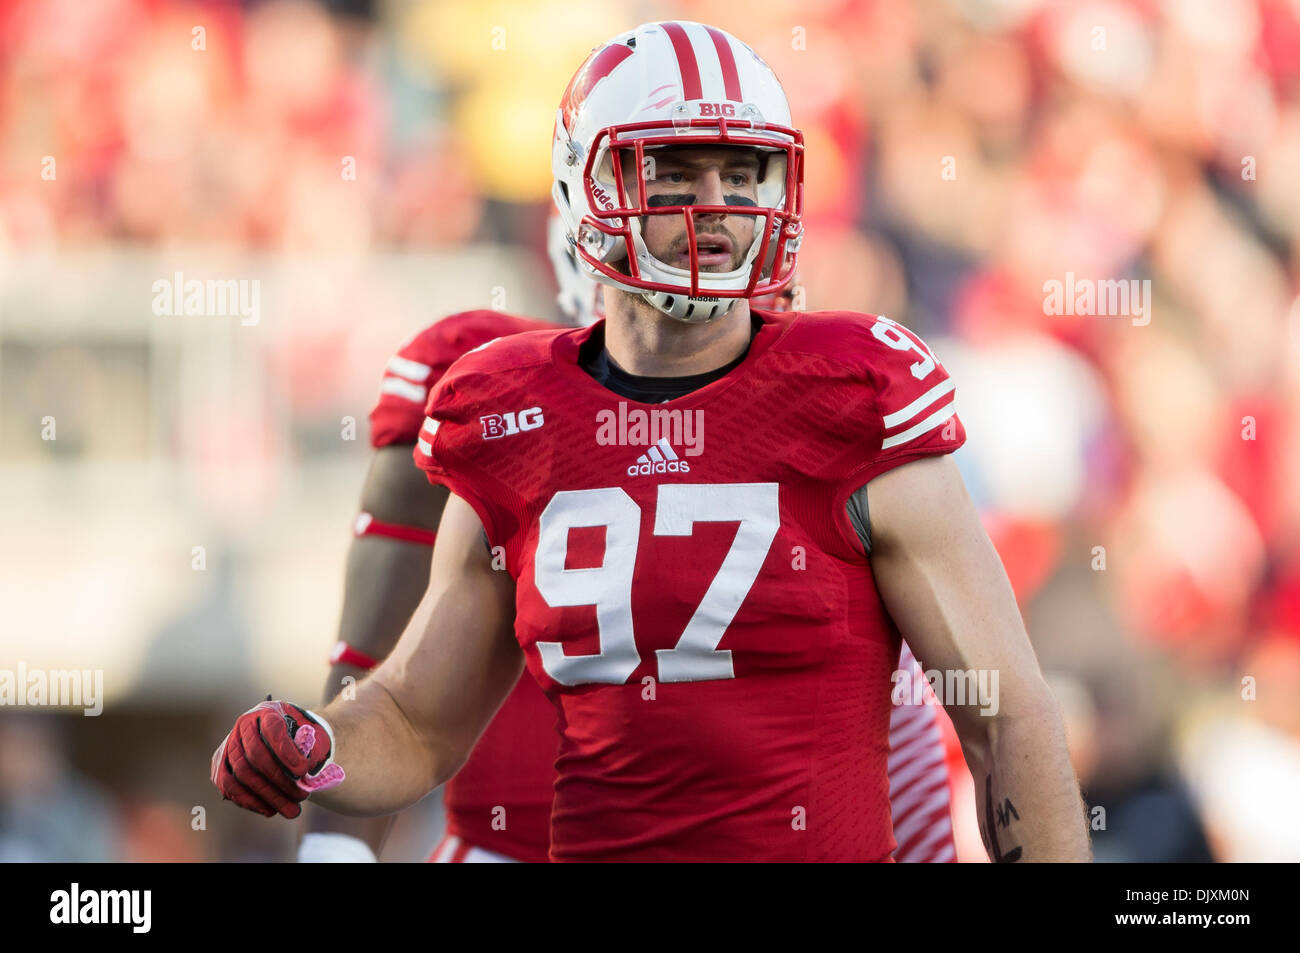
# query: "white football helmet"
[[666, 84], [579, 297], [790, 298]]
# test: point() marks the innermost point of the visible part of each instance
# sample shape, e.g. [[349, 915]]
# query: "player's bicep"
[[397, 491], [385, 575], [458, 659], [944, 586]]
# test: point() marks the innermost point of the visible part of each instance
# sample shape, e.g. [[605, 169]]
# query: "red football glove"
[[274, 758]]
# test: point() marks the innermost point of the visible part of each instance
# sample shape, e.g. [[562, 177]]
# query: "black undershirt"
[[595, 360]]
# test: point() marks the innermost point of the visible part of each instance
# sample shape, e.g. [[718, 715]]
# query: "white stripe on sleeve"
[[404, 389], [925, 426], [920, 404], [411, 370]]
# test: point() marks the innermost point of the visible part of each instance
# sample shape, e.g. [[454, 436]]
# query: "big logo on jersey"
[[503, 425]]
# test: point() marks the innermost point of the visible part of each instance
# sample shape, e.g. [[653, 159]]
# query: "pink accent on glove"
[[329, 776]]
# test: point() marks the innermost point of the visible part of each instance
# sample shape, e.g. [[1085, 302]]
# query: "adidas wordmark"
[[661, 458]]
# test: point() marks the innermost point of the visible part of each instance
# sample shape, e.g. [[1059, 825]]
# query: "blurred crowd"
[[1138, 472]]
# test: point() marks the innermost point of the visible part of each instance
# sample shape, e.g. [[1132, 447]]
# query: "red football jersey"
[[690, 592], [501, 799]]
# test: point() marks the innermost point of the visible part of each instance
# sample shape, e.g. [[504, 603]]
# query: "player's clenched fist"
[[274, 758]]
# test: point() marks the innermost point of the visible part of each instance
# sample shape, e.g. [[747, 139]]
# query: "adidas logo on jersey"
[[660, 458]]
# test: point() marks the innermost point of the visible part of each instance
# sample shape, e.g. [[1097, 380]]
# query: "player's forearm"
[[1028, 802], [372, 831], [387, 574], [389, 765], [384, 583], [415, 718], [385, 579]]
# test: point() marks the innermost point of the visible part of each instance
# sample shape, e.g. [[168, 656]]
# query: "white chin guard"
[[690, 310]]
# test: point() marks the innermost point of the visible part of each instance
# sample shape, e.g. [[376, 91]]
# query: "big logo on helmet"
[[718, 109]]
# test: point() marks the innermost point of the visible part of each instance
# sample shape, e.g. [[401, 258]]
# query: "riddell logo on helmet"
[[602, 197]]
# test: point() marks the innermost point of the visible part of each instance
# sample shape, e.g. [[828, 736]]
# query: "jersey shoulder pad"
[[419, 363], [913, 397], [508, 354], [489, 393], [442, 342]]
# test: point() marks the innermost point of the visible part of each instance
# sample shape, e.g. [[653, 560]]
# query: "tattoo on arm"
[[1004, 813]]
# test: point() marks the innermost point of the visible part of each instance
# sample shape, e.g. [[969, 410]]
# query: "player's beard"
[[643, 309], [682, 245]]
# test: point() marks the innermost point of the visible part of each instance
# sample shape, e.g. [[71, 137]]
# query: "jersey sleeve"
[[915, 410], [421, 362], [404, 390], [440, 449], [491, 392]]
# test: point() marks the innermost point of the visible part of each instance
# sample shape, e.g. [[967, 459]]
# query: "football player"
[[498, 806], [715, 624]]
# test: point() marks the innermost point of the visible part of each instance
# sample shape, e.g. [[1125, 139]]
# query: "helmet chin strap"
[[689, 310]]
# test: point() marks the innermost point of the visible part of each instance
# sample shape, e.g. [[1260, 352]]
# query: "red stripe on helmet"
[[727, 60], [599, 65], [686, 63]]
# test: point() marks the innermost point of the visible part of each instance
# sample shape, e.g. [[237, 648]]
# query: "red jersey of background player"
[[501, 799], [693, 598]]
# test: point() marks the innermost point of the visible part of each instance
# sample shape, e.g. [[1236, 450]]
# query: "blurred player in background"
[[498, 805], [387, 575]]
